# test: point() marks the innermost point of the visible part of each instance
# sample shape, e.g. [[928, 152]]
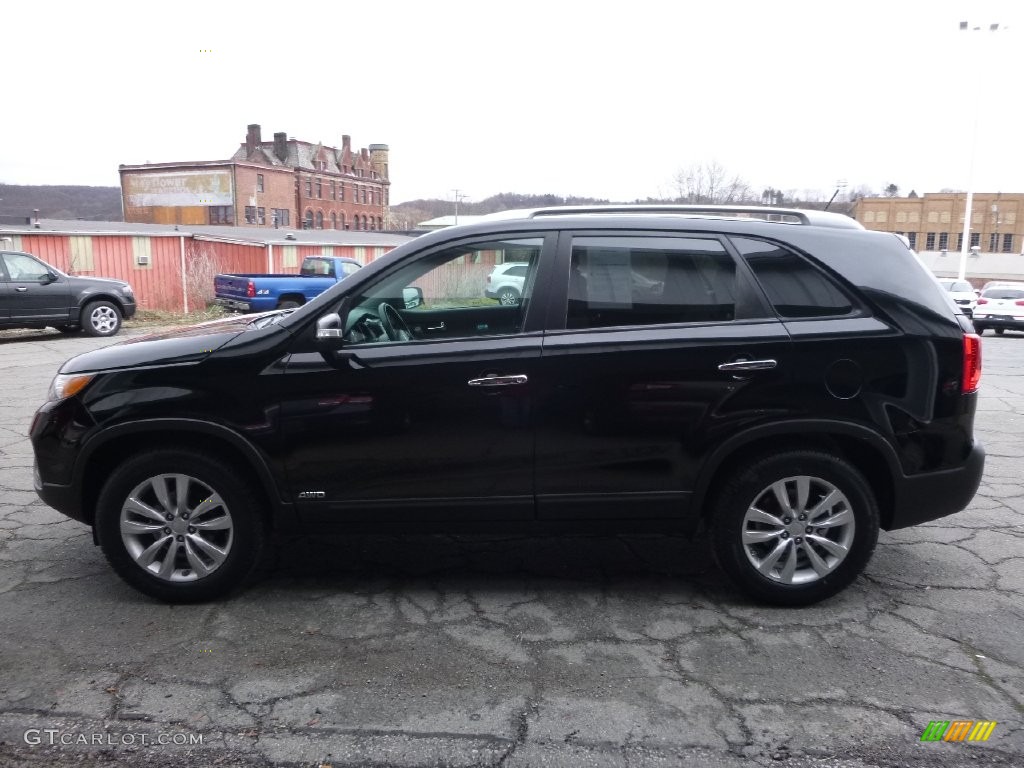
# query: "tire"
[[980, 330], [508, 296], [101, 318], [1000, 331], [228, 543], [750, 528], [288, 304]]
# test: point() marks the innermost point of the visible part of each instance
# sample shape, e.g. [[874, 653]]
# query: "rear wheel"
[[980, 329], [288, 304], [101, 318], [795, 528], [178, 526]]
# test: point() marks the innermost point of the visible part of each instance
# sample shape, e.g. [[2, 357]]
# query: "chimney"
[[281, 146], [252, 139], [364, 154], [346, 142]]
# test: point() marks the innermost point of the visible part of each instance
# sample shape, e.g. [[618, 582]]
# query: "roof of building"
[[255, 235], [448, 221]]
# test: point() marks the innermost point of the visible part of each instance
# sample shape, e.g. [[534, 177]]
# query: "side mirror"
[[49, 277], [329, 327], [412, 297]]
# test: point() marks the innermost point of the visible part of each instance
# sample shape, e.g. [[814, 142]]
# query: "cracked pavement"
[[512, 651]]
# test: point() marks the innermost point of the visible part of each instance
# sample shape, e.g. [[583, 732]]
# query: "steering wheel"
[[394, 325]]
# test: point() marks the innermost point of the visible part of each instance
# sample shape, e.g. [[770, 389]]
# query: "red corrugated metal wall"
[[158, 284]]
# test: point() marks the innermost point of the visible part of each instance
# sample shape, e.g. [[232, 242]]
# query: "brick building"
[[935, 221], [283, 183]]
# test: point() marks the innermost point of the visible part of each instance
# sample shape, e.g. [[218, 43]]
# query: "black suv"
[[34, 294], [784, 378]]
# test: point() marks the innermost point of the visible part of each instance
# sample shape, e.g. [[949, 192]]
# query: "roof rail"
[[761, 212]]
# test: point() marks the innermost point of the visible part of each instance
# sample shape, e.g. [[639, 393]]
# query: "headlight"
[[67, 384], [127, 291]]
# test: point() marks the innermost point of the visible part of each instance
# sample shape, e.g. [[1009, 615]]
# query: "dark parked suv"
[[783, 378], [34, 294]]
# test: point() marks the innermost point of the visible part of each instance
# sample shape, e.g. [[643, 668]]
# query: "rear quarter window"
[[794, 286]]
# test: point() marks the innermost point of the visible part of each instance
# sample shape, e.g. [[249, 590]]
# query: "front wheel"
[[101, 318], [1000, 331], [179, 526], [795, 528], [980, 329]]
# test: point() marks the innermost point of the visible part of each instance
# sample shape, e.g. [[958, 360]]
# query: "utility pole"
[[458, 196]]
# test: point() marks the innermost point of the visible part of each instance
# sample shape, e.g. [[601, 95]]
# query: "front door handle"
[[498, 381], [21, 288], [748, 365], [436, 327]]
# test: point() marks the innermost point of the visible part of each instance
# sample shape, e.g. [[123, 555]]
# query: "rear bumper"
[[234, 305], [932, 495], [998, 321]]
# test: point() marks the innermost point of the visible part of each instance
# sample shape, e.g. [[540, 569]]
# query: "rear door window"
[[618, 281]]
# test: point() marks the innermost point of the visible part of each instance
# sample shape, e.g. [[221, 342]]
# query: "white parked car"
[[505, 283], [962, 292], [999, 308]]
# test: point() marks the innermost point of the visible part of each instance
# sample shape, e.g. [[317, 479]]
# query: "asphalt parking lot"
[[514, 651]]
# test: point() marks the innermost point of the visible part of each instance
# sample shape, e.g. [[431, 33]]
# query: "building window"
[[261, 216], [308, 223], [342, 220], [341, 191], [259, 182], [280, 217], [943, 241], [912, 237], [364, 195], [975, 239], [250, 214], [319, 189], [309, 187], [334, 220], [333, 193], [319, 219], [993, 243], [960, 241], [221, 214], [1007, 243], [929, 241]]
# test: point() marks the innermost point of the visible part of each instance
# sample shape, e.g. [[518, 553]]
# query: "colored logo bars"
[[958, 730]]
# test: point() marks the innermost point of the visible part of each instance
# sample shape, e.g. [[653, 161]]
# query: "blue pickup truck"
[[263, 292]]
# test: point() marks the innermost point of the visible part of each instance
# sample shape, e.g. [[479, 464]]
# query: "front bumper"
[[931, 495]]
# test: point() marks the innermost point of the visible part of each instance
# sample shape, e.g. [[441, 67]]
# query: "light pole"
[[965, 245]]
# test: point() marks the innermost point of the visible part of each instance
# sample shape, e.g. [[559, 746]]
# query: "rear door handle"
[[498, 381], [21, 288], [748, 365]]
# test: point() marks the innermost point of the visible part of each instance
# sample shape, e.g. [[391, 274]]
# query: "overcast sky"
[[597, 98]]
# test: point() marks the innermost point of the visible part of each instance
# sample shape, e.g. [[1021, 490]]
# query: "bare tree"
[[710, 182], [892, 190]]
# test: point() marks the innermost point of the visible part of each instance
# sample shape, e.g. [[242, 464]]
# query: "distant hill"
[[60, 202], [410, 213]]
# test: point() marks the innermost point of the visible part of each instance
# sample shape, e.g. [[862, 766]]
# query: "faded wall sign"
[[179, 188]]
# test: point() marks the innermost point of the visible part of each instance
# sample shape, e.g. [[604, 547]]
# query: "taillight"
[[972, 363], [250, 289], [983, 301], [1019, 302]]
